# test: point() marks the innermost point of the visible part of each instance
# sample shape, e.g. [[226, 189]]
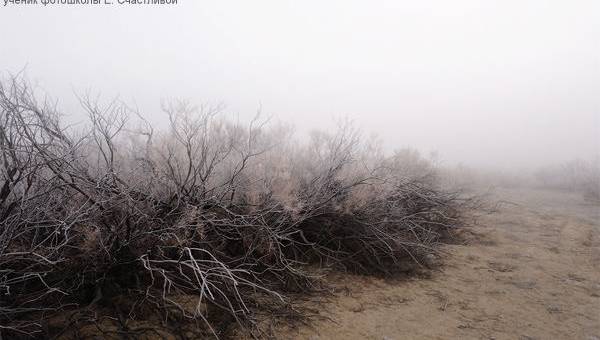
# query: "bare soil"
[[531, 270]]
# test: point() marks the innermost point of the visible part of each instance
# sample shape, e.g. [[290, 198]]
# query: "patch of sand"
[[532, 272]]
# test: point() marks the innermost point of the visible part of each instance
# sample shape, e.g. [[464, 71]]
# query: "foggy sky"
[[486, 83]]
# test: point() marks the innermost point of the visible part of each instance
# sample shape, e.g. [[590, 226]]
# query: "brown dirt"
[[530, 271]]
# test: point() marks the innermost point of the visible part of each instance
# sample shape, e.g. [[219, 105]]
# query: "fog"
[[496, 84]]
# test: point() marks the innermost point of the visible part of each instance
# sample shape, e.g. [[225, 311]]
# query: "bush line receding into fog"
[[207, 220]]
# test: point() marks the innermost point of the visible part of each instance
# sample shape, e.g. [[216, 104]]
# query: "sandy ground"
[[531, 270]]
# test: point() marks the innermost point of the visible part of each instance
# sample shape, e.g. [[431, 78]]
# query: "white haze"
[[487, 83]]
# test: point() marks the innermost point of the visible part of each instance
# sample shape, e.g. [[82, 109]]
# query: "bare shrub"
[[208, 220]]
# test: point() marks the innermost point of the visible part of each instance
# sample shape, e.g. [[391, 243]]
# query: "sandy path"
[[534, 273]]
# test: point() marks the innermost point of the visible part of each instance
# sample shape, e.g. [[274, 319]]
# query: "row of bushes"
[[207, 221], [576, 175]]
